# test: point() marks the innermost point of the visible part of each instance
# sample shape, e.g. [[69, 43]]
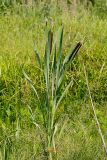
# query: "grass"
[[79, 139]]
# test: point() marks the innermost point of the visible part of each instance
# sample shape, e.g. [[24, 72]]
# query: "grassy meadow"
[[21, 29]]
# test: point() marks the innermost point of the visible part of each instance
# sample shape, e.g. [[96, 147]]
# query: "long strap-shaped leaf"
[[63, 94], [70, 57], [67, 61], [59, 55], [53, 73], [32, 85], [32, 117], [35, 91], [38, 58], [48, 49]]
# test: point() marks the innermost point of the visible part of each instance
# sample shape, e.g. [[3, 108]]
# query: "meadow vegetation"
[[21, 29]]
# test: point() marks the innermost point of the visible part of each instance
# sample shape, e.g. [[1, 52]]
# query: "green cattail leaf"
[[67, 61], [31, 83], [48, 49], [53, 72], [54, 60], [35, 91], [46, 62], [60, 81], [71, 56], [32, 117], [38, 58], [50, 40], [60, 37], [63, 94]]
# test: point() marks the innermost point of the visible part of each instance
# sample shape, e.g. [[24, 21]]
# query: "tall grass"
[[79, 140]]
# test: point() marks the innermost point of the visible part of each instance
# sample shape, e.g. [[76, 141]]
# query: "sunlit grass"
[[80, 139]]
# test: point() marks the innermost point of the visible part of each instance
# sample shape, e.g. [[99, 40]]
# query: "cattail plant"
[[53, 69]]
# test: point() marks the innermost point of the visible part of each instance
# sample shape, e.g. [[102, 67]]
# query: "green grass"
[[79, 140]]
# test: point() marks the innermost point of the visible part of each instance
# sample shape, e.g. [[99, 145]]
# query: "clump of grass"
[[53, 69]]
